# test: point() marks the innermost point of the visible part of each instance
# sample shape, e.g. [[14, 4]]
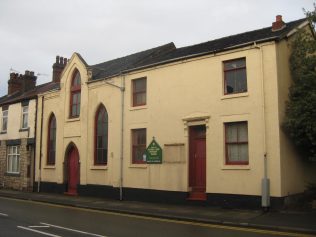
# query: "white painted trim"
[[73, 230], [37, 231], [38, 226], [305, 23]]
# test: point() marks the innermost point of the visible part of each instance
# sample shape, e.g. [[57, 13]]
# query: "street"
[[28, 218]]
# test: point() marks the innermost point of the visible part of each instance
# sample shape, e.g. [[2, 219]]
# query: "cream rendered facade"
[[16, 135], [77, 131], [180, 94]]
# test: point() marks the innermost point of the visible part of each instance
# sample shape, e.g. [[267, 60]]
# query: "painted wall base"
[[161, 196]]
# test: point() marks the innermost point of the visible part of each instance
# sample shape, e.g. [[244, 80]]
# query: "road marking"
[[242, 229], [2, 214], [38, 226], [37, 231], [73, 230]]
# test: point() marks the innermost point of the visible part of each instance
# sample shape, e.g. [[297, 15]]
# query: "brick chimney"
[[58, 67], [278, 24], [29, 81], [14, 83], [22, 83]]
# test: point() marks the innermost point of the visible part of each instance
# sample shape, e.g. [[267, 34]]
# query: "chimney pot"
[[21, 83], [12, 76], [278, 18], [278, 24], [58, 67]]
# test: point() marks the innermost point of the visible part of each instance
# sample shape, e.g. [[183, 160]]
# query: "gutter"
[[10, 102], [201, 54]]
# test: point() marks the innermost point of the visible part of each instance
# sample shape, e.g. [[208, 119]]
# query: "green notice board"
[[154, 153]]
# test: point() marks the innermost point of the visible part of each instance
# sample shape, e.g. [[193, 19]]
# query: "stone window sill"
[[140, 107], [24, 129], [74, 119], [236, 167], [141, 166], [98, 167], [12, 174], [237, 95]]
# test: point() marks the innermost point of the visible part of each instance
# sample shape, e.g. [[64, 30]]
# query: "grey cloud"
[[33, 32]]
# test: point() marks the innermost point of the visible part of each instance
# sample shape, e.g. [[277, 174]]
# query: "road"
[[28, 218]]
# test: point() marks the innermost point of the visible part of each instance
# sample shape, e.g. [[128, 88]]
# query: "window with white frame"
[[25, 116], [13, 159], [4, 120], [236, 143]]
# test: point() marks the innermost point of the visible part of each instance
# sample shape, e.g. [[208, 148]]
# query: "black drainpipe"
[[40, 151], [34, 157]]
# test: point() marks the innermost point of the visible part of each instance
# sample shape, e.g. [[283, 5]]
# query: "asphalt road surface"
[[27, 218]]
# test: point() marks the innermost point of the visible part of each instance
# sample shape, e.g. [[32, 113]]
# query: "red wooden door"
[[73, 171], [197, 162]]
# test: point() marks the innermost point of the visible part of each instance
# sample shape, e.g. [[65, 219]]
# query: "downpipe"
[[265, 181], [40, 151], [122, 89]]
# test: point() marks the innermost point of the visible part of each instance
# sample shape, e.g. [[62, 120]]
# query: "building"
[[17, 131], [215, 109]]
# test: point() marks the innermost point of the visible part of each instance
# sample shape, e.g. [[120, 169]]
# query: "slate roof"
[[234, 41], [169, 52], [116, 66], [31, 94]]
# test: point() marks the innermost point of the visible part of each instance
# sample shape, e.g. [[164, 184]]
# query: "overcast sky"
[[33, 32]]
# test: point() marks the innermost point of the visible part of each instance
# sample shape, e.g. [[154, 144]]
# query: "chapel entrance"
[[72, 170], [197, 162]]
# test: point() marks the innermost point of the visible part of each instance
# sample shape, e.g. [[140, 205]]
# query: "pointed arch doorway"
[[71, 170]]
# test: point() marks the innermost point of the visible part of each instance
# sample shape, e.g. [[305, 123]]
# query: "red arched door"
[[73, 170]]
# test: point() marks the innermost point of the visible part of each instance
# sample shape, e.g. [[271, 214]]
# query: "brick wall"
[[19, 181]]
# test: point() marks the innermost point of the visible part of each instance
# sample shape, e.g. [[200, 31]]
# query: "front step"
[[71, 193], [197, 196]]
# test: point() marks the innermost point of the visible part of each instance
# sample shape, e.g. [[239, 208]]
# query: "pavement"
[[300, 221]]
